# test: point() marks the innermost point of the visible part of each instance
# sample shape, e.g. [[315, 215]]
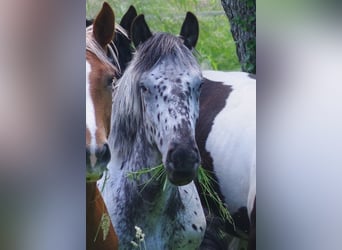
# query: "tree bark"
[[242, 19]]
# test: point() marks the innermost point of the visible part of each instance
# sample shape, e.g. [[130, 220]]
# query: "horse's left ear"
[[140, 31], [103, 27], [190, 30]]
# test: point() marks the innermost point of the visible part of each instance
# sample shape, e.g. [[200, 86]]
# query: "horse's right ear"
[[103, 26], [190, 30], [127, 19], [140, 31]]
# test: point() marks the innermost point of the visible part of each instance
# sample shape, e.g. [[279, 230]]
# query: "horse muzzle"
[[97, 162], [182, 163]]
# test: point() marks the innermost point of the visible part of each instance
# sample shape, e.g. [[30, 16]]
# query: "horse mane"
[[161, 45], [94, 47], [127, 113]]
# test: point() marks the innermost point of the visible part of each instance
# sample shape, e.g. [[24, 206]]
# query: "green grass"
[[215, 45], [158, 173]]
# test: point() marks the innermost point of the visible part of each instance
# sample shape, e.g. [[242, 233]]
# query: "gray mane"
[[127, 113], [159, 46]]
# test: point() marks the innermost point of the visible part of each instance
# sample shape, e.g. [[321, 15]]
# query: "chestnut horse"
[[102, 71]]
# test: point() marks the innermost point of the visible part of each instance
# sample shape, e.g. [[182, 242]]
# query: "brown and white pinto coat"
[[226, 138]]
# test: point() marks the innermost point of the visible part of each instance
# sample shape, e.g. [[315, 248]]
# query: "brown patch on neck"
[[212, 100], [95, 209]]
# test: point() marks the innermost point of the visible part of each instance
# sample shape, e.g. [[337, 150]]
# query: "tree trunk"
[[241, 15]]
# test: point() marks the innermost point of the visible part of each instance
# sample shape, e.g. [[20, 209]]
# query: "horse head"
[[101, 74], [164, 82]]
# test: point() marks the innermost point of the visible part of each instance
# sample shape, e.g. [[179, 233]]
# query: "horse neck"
[[95, 203], [95, 210], [92, 192], [92, 211]]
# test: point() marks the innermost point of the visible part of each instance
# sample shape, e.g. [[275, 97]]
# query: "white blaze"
[[90, 116]]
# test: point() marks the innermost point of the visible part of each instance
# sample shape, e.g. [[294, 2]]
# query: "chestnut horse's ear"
[[127, 19], [140, 31], [190, 30], [103, 27]]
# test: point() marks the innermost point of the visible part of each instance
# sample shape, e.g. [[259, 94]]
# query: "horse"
[[226, 138], [155, 108], [218, 87], [102, 69]]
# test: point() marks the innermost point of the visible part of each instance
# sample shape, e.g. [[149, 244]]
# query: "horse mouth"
[[180, 177], [94, 173], [93, 177], [178, 182], [182, 163]]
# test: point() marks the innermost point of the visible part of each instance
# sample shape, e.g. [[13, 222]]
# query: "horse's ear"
[[140, 31], [190, 30], [127, 19], [103, 27]]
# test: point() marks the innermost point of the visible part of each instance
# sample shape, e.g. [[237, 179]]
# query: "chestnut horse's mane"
[[93, 47]]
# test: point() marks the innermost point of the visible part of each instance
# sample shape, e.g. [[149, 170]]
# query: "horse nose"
[[103, 154], [184, 159]]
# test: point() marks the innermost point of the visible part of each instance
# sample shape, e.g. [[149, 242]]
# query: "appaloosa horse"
[[225, 134], [155, 109], [102, 69]]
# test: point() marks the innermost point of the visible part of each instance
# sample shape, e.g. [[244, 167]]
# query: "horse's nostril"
[[103, 154]]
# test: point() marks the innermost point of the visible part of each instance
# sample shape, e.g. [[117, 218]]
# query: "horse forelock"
[[162, 45], [94, 47]]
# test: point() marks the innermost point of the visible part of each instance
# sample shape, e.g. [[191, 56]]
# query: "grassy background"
[[215, 45]]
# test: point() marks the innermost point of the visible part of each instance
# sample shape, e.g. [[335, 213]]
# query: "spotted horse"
[[155, 108]]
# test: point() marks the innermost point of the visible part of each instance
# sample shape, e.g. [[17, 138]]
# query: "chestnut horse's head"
[[101, 75]]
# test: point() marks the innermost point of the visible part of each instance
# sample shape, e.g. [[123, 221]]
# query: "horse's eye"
[[143, 88]]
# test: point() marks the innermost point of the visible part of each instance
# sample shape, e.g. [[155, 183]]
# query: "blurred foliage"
[[216, 46]]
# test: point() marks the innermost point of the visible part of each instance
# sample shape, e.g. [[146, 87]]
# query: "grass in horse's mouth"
[[158, 174], [204, 179]]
